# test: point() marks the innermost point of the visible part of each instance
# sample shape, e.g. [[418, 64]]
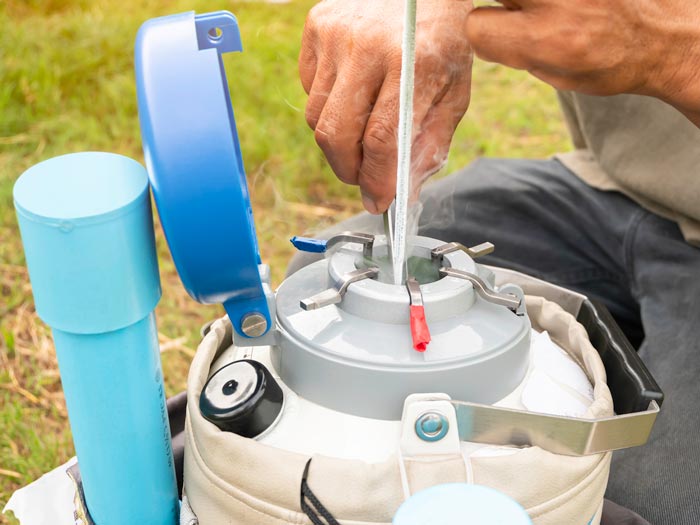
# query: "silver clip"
[[366, 239], [335, 295], [414, 292], [389, 233], [510, 301], [570, 436], [474, 252]]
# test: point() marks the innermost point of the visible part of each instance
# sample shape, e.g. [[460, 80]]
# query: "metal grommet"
[[432, 426]]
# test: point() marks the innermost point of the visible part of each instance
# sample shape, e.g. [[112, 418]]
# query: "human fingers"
[[377, 174], [320, 90], [591, 46], [307, 55], [341, 126], [438, 85]]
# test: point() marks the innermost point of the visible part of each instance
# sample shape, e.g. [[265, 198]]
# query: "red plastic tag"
[[419, 329]]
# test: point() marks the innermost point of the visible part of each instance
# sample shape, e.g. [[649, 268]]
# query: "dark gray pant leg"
[[662, 479], [544, 222]]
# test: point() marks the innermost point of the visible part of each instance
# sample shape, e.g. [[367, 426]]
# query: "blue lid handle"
[[194, 160]]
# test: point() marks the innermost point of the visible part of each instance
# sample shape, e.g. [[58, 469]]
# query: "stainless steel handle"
[[474, 252], [568, 436], [335, 295], [485, 292], [365, 239]]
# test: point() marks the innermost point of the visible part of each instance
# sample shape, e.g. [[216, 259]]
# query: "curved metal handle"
[[569, 436], [309, 244], [335, 295], [474, 252], [510, 301]]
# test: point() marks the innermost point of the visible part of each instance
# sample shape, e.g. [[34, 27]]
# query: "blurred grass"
[[66, 84]]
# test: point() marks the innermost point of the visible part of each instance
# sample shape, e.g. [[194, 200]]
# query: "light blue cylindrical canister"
[[460, 504], [87, 231]]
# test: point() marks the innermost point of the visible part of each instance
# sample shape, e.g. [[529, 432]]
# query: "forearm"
[[599, 47]]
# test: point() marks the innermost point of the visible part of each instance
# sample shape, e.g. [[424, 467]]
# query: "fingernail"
[[369, 204]]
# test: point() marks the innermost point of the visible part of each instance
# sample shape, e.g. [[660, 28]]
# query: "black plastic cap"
[[242, 397]]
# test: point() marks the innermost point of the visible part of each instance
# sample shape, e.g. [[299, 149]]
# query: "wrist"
[[675, 79], [682, 88]]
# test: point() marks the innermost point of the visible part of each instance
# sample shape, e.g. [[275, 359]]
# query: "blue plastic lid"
[[460, 504], [87, 230], [194, 159]]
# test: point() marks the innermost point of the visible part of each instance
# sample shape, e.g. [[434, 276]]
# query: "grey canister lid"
[[357, 356]]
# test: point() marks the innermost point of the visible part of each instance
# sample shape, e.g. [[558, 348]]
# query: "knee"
[[480, 188], [482, 178]]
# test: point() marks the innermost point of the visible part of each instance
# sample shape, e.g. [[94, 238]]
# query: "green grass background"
[[67, 84]]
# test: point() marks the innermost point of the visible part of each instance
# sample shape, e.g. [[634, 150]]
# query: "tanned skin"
[[350, 65]]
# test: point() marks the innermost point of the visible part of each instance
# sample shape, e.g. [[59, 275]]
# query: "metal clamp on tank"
[[513, 302], [419, 325], [474, 252], [311, 245], [569, 436], [336, 294]]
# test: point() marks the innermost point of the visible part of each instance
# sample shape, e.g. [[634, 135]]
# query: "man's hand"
[[350, 65], [599, 47]]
